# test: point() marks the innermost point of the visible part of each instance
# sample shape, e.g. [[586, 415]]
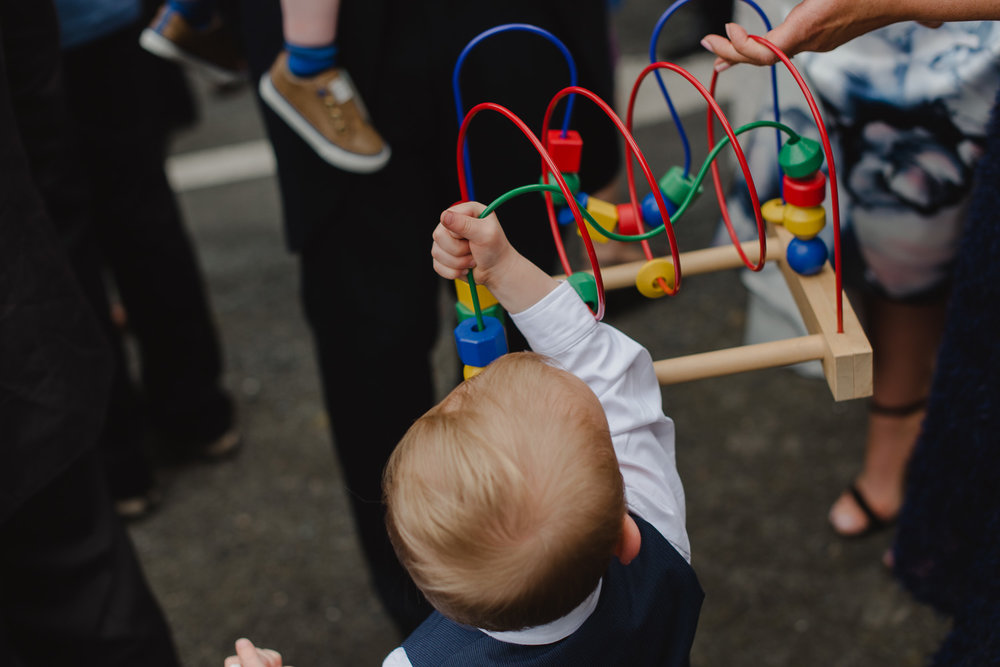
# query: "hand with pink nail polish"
[[823, 25]]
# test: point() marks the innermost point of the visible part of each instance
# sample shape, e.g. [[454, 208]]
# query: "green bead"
[[463, 312], [586, 286], [572, 180], [676, 187], [800, 158]]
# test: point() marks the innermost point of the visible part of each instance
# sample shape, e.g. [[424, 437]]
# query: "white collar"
[[551, 632]]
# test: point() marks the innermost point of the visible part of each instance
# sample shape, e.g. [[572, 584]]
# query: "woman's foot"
[[872, 501], [853, 515]]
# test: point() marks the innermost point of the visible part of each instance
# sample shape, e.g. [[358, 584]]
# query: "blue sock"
[[198, 13], [310, 60]]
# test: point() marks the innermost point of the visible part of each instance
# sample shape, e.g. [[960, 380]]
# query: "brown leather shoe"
[[211, 50], [327, 112]]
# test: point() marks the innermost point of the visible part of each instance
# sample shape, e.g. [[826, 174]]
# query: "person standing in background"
[[71, 587], [123, 103]]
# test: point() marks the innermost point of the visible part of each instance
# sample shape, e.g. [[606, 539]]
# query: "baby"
[[538, 506]]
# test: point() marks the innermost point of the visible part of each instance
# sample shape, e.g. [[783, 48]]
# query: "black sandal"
[[876, 523]]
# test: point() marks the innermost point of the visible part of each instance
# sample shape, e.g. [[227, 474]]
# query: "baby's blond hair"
[[505, 501]]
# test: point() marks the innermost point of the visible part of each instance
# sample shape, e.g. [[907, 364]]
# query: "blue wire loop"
[[456, 89], [666, 96]]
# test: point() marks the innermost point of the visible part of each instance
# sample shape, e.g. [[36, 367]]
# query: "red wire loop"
[[547, 165], [720, 196], [834, 200], [713, 108], [632, 148]]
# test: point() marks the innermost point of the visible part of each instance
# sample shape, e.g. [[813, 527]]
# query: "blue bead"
[[806, 257], [651, 212], [479, 348], [565, 215]]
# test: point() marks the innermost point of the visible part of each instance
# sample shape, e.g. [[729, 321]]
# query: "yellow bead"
[[773, 211], [804, 223], [465, 295], [470, 371], [604, 214], [646, 280]]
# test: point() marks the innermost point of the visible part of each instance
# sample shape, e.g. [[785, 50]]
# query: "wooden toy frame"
[[846, 357]]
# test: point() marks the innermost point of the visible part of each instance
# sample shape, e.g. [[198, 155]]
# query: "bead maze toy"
[[787, 228]]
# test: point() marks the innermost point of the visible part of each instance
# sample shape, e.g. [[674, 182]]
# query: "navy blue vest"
[[646, 615]]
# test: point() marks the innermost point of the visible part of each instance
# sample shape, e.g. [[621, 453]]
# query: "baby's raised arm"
[[463, 241]]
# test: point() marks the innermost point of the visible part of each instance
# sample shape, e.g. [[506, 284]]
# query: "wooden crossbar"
[[846, 357]]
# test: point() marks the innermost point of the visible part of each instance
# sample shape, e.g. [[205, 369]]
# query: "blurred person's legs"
[[121, 107], [904, 340]]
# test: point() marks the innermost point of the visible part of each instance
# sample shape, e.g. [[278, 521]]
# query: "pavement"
[[262, 546]]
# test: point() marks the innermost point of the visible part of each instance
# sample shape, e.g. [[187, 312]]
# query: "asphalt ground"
[[262, 545]]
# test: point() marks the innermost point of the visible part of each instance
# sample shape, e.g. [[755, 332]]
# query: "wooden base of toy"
[[846, 357]]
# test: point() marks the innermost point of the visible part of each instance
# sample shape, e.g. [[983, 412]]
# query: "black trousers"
[[368, 289], [121, 101], [71, 589]]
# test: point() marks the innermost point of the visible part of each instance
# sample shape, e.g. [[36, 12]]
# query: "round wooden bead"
[[800, 158], [629, 223], [586, 287], [804, 223], [651, 212], [804, 192], [646, 280], [806, 257], [773, 211], [479, 347], [572, 181]]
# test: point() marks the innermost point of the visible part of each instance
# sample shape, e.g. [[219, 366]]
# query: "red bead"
[[629, 223], [565, 151], [805, 192]]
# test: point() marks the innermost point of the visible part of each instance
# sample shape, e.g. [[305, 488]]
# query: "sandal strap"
[[875, 522], [897, 410]]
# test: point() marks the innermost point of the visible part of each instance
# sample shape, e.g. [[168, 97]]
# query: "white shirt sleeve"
[[620, 372], [397, 658]]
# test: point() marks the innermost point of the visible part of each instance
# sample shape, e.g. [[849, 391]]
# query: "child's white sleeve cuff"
[[556, 322]]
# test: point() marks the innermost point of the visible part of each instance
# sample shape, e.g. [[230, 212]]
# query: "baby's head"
[[505, 501]]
